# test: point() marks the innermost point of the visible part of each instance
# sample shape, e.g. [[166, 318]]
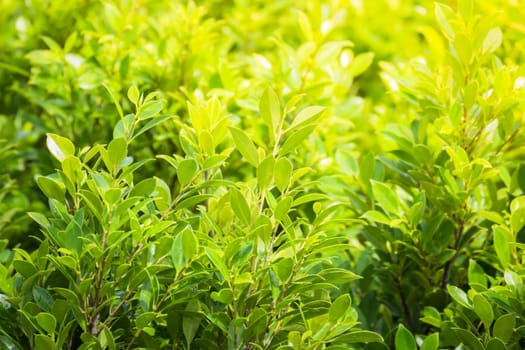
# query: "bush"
[[252, 175]]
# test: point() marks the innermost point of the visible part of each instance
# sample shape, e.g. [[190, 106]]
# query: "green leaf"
[[282, 208], [144, 319], [386, 197], [150, 109], [339, 308], [431, 342], [47, 321], [163, 196], [218, 261], [245, 146], [443, 13], [240, 206], [504, 327], [468, 339], [25, 268], [295, 138], [492, 40], [502, 239], [43, 342], [117, 151], [459, 296], [404, 340], [106, 339], [224, 296], [270, 108], [265, 171], [361, 63], [133, 94], [307, 115], [189, 243], [285, 269], [191, 324], [282, 173], [60, 147], [495, 344], [186, 171], [476, 276], [360, 337], [483, 309], [39, 219], [257, 322], [51, 188]]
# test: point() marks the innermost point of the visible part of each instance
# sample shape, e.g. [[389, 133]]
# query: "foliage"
[[262, 175]]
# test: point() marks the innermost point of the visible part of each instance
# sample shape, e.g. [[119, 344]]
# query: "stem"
[[448, 265]]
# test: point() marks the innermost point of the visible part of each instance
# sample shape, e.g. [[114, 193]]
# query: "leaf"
[[224, 296], [47, 321], [361, 63], [150, 109], [257, 322], [468, 339], [133, 94], [495, 344], [476, 276], [186, 171], [240, 206], [270, 109], [483, 309], [245, 146], [504, 327], [386, 197], [218, 261], [106, 339], [404, 340], [492, 41], [285, 269], [191, 324], [502, 239], [43, 342], [60, 147], [307, 115], [442, 13], [282, 208], [431, 342], [297, 136], [282, 173], [459, 296], [25, 268], [144, 319], [163, 194], [51, 188], [117, 151], [339, 308], [264, 173], [360, 337]]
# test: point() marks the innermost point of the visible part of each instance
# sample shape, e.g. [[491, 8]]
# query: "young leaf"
[[133, 94], [283, 170], [270, 110], [443, 13], [265, 171], [245, 146], [240, 206], [186, 170], [492, 40], [339, 308], [60, 147], [483, 309], [404, 340], [386, 197]]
